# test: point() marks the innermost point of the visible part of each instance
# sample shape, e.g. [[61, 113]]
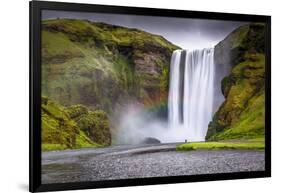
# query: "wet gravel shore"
[[138, 161]]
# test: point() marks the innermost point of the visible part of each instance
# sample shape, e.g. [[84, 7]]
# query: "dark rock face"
[[241, 115], [231, 51], [150, 140]]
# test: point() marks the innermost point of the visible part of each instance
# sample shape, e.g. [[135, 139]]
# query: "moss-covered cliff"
[[101, 65], [242, 113]]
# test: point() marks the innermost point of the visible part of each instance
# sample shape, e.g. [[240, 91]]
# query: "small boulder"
[[150, 140]]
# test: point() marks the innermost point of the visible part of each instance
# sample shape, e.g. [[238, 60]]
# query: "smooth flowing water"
[[191, 92]]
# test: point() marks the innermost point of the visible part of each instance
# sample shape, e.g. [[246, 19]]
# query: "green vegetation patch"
[[53, 147], [258, 145]]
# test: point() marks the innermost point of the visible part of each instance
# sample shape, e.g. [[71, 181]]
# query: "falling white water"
[[191, 93]]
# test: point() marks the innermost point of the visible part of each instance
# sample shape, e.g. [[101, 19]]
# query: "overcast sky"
[[186, 33]]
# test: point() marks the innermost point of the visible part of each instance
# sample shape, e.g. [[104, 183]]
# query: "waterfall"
[[191, 93]]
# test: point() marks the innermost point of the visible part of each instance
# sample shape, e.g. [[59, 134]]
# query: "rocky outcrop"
[[242, 113], [94, 124], [72, 127]]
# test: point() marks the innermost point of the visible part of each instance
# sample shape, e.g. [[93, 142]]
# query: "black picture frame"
[[35, 95]]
